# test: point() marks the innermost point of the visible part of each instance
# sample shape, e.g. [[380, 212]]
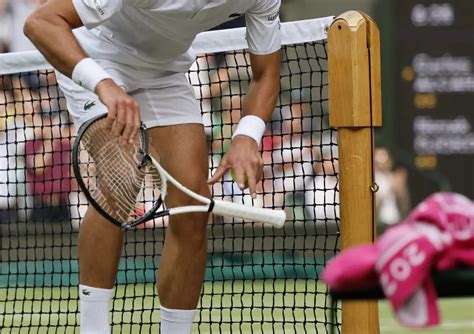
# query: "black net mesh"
[[258, 279]]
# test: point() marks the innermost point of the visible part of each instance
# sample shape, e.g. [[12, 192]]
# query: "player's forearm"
[[261, 97], [52, 35], [265, 86]]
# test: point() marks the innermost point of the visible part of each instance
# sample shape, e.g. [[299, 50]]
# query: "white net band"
[[207, 42]]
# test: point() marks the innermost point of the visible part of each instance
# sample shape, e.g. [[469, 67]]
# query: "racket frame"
[[76, 151]]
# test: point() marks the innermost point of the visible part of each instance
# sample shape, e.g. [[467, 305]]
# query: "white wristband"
[[251, 126], [88, 74]]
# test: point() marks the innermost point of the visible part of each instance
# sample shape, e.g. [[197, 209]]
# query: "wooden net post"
[[355, 109]]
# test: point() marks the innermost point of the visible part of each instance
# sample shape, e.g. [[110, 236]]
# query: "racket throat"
[[144, 219], [173, 211], [211, 206]]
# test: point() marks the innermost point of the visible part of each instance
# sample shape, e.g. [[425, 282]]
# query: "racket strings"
[[112, 174], [120, 178]]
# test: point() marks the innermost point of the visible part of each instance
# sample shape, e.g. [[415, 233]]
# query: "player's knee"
[[178, 198], [189, 230]]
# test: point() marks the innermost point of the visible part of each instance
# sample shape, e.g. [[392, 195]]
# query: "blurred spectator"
[[8, 161], [5, 26], [393, 197], [322, 190], [290, 159], [31, 141], [16, 121], [78, 202], [48, 170], [215, 83]]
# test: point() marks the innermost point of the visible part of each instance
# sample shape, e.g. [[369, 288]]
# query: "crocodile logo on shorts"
[[89, 104], [86, 292]]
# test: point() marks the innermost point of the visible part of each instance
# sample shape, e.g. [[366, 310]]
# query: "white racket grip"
[[269, 216]]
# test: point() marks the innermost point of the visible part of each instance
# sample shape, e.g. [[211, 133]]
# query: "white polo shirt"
[[157, 34]]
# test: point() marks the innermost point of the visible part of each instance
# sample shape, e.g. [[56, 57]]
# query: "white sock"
[[94, 309], [176, 321]]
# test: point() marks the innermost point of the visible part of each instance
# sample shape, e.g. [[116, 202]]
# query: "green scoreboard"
[[435, 93]]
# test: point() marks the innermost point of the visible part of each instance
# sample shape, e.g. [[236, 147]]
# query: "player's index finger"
[[217, 175]]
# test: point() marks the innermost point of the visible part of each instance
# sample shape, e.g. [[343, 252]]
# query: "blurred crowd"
[[35, 148], [13, 14], [36, 178], [36, 181], [299, 149]]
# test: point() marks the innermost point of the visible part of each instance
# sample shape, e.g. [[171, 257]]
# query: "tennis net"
[[258, 279]]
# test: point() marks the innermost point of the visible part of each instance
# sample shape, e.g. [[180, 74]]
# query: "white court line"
[[447, 325], [36, 319]]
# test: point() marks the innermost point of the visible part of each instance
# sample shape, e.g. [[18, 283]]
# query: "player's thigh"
[[183, 152]]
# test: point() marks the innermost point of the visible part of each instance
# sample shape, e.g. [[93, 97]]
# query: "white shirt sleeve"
[[96, 12], [263, 27]]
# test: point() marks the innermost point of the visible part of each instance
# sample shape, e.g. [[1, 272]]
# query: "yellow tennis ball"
[[234, 178]]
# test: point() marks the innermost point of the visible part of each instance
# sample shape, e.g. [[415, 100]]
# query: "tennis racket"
[[128, 186]]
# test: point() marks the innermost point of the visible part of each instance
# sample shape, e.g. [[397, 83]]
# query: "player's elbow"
[[33, 25], [38, 22]]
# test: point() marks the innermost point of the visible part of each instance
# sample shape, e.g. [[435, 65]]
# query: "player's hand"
[[123, 117], [245, 159]]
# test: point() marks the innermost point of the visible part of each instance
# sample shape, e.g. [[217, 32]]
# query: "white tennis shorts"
[[164, 100]]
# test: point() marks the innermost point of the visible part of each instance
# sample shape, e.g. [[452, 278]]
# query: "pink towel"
[[439, 233]]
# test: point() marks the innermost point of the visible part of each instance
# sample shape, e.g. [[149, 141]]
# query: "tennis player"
[[128, 58]]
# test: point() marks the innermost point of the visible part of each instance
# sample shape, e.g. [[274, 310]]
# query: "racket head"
[[120, 182]]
